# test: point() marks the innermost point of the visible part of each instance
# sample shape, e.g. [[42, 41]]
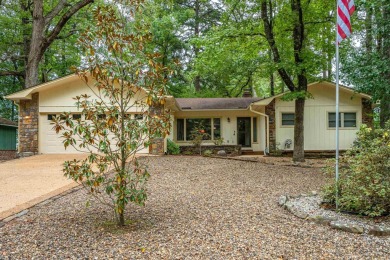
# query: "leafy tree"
[[366, 59], [38, 40], [364, 184], [126, 78], [288, 29], [191, 19]]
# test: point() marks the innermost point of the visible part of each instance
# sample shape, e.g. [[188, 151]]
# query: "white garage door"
[[50, 142]]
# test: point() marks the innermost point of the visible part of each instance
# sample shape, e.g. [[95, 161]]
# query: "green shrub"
[[198, 135], [172, 147], [188, 153], [207, 153], [218, 141], [364, 183]]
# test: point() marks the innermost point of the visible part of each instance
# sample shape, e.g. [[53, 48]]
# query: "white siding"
[[57, 99], [317, 134], [228, 129]]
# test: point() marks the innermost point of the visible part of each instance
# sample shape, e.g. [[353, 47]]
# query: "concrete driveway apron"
[[28, 181]]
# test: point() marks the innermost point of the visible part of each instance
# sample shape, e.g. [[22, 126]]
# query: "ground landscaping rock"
[[322, 220], [9, 218], [352, 228], [2, 224], [379, 231], [222, 153], [295, 211], [283, 200], [22, 213]]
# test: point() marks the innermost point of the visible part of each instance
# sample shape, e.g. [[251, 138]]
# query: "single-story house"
[[8, 135], [257, 124]]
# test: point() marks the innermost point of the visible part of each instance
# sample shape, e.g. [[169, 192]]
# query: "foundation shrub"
[[364, 183]]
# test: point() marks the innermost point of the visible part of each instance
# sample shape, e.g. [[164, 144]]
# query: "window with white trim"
[[288, 119], [346, 120], [184, 126]]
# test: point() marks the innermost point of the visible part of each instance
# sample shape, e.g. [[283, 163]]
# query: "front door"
[[244, 131]]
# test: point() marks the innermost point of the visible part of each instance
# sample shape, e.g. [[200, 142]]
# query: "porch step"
[[250, 152]]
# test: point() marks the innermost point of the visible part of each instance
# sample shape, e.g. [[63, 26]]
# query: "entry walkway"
[[28, 181]]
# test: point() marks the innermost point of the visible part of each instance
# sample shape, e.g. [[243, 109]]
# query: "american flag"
[[345, 9]]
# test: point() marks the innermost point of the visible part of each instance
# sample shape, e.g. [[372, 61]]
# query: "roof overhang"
[[14, 126], [266, 101], [26, 94], [342, 88]]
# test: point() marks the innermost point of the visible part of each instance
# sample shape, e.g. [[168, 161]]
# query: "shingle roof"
[[7, 122], [215, 103]]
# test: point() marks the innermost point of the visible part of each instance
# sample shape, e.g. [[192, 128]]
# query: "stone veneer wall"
[[156, 146], [367, 112], [231, 150], [28, 125], [270, 111], [7, 154]]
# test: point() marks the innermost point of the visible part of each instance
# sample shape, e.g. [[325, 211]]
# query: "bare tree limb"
[[268, 29], [63, 20], [11, 73], [55, 11]]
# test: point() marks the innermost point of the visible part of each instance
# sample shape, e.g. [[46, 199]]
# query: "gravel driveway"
[[198, 208]]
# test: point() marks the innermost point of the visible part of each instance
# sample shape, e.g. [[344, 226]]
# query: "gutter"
[[266, 151]]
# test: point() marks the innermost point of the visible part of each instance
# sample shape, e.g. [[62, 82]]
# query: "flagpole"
[[337, 114]]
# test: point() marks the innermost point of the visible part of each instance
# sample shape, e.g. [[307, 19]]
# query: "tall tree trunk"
[[196, 49], [298, 37], [37, 37], [271, 77], [368, 25], [299, 144], [39, 41], [385, 101]]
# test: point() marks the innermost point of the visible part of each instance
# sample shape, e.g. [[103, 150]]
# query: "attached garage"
[[52, 143], [37, 106], [49, 140]]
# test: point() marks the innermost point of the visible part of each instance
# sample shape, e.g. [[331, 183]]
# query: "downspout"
[[266, 151]]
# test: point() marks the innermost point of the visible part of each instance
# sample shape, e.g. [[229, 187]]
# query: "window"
[[138, 116], [210, 126], [254, 129], [102, 116], [180, 129], [51, 116], [193, 123], [76, 116], [288, 119], [349, 119], [346, 120], [217, 128]]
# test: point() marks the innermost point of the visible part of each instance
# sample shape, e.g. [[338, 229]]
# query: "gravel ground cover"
[[198, 208]]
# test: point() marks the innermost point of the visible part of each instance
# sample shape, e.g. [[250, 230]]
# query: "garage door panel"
[[51, 142]]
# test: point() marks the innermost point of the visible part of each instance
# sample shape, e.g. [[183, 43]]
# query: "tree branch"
[[269, 35], [11, 73], [63, 20], [55, 11], [244, 34]]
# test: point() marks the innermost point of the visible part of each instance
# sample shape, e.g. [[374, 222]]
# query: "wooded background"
[[216, 48]]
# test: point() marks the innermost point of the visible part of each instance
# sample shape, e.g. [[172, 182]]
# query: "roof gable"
[[26, 93]]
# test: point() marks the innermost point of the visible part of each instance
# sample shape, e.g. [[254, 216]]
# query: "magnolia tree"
[[125, 111]]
